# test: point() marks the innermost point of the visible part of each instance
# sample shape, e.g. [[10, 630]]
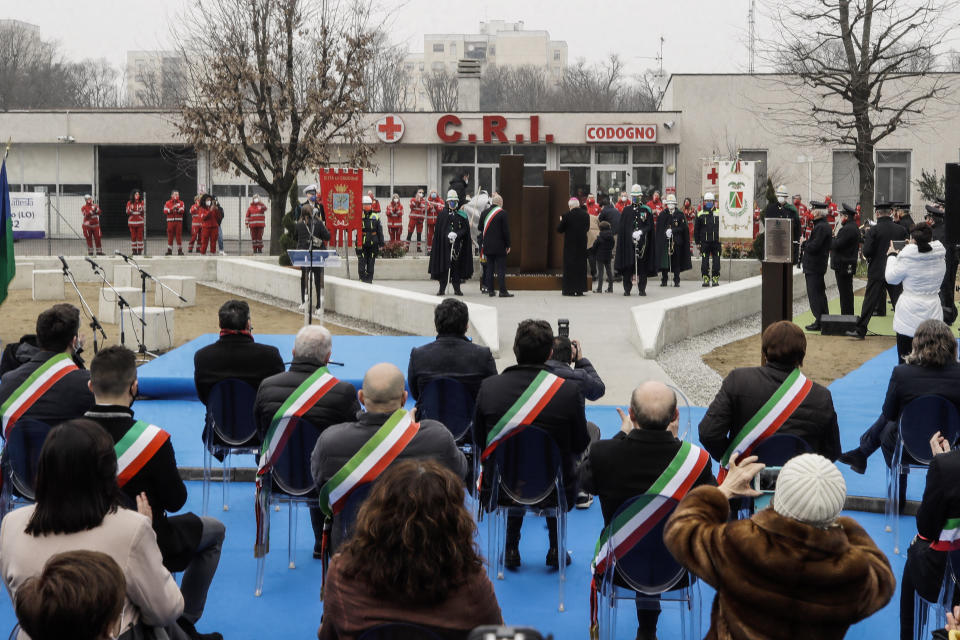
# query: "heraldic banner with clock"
[[735, 195], [342, 191]]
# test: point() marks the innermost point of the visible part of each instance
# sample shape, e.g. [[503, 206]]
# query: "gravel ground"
[[684, 363], [361, 326]]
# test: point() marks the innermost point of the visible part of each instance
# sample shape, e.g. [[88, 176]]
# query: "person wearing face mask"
[[369, 241], [806, 216], [655, 204], [209, 227], [691, 216], [136, 217], [187, 542], [452, 259], [592, 207], [623, 201], [173, 210], [57, 368], [395, 218], [673, 243], [256, 220], [91, 224], [434, 207], [706, 233], [636, 251], [782, 209], [418, 209]]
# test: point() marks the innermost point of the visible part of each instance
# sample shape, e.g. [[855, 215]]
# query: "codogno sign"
[[735, 199], [28, 214]]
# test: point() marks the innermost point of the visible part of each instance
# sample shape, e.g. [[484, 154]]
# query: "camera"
[[563, 328], [766, 480], [506, 633], [899, 244]]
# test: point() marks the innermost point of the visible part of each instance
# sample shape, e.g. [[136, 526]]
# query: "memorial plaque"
[[777, 240]]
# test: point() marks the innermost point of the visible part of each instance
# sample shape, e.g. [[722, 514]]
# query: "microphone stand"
[[121, 302], [308, 311], [94, 323], [144, 276]]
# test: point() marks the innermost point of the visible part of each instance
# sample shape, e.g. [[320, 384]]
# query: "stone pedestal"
[[158, 334], [23, 278], [109, 310], [186, 286], [48, 284]]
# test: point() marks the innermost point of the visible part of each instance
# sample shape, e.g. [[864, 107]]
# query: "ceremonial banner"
[[28, 214], [709, 180], [341, 191], [735, 200]]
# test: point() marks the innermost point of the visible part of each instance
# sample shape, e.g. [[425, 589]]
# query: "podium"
[[313, 259]]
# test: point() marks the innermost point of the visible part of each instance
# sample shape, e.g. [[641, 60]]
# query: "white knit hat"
[[810, 489]]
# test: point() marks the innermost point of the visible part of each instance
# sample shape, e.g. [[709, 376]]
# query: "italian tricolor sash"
[[136, 447], [33, 387], [949, 539], [282, 425], [524, 411], [370, 461], [630, 526], [486, 224], [768, 419]]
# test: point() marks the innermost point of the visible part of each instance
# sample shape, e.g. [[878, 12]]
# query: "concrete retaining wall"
[[404, 311], [197, 267], [665, 322]]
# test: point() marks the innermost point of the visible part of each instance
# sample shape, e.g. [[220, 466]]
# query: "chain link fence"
[[64, 228]]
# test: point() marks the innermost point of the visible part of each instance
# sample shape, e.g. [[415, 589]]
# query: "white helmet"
[[309, 188], [452, 195], [636, 190], [366, 200], [708, 196], [782, 191], [671, 199], [86, 196]]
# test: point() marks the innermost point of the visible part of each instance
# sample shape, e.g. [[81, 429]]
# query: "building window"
[[893, 176], [575, 155], [576, 160], [492, 50], [453, 48], [611, 154], [648, 155], [406, 190], [438, 47], [556, 55]]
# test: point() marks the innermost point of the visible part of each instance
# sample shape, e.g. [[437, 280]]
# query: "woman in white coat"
[[920, 266]]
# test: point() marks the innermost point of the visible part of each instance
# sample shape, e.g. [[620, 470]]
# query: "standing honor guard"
[[451, 257], [816, 250], [136, 217], [706, 233], [173, 210], [635, 257], [843, 258], [395, 218], [91, 224], [673, 242], [418, 209], [369, 240], [256, 220]]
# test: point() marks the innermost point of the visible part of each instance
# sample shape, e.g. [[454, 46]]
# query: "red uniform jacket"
[[195, 214], [173, 209], [91, 216], [208, 217], [256, 214], [656, 206], [593, 208], [376, 205], [620, 204], [135, 213], [418, 208], [395, 214], [434, 207]]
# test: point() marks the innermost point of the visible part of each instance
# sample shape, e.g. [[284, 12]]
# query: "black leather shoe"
[[855, 460], [317, 551], [552, 559], [643, 293], [505, 294], [626, 293], [457, 292], [511, 558], [677, 283], [813, 326], [853, 333], [491, 293]]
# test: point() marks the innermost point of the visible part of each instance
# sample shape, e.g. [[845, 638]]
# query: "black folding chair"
[[230, 428]]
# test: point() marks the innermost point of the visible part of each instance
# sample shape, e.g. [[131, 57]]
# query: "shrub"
[[394, 249]]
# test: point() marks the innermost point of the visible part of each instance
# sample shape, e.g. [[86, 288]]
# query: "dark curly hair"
[[414, 539]]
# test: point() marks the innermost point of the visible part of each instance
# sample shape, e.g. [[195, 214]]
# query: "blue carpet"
[[171, 375]]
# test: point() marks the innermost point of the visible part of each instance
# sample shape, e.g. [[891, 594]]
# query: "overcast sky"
[[700, 36]]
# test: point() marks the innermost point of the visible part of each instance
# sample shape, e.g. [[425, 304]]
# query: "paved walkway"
[[601, 322]]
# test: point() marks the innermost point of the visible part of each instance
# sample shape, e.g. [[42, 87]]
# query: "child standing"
[[603, 246]]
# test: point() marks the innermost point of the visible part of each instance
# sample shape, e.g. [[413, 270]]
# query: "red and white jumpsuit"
[[195, 226], [256, 220], [418, 209], [395, 219], [173, 210], [136, 218], [209, 229], [434, 207], [91, 227]]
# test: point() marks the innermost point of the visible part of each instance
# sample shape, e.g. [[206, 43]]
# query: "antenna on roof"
[[752, 37]]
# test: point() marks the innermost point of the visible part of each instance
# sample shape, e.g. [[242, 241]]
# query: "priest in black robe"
[[574, 225]]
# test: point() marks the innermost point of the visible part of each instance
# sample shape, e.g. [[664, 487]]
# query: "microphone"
[[92, 263], [120, 253], [64, 263]]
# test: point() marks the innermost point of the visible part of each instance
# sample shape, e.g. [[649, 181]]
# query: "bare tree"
[[518, 88], [386, 81], [95, 84], [276, 88], [442, 90], [33, 73], [858, 70]]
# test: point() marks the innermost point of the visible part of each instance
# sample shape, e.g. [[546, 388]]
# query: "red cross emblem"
[[389, 128], [713, 175]]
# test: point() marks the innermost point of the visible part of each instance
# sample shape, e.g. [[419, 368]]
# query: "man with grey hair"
[[337, 403], [494, 236], [383, 395], [631, 462]]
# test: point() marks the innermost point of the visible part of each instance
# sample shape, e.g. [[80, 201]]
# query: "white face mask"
[[782, 199], [671, 207]]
